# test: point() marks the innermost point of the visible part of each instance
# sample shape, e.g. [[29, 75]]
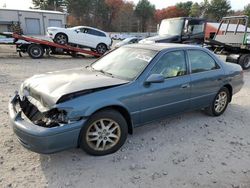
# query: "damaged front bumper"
[[42, 139]]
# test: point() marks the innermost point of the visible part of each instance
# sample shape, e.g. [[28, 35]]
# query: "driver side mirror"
[[77, 30], [155, 78]]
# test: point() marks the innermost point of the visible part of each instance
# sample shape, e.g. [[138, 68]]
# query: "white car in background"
[[130, 40], [82, 36]]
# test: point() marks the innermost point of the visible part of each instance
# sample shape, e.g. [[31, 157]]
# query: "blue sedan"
[[95, 107]]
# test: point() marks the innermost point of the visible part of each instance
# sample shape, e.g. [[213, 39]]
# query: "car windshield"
[[171, 27], [125, 63]]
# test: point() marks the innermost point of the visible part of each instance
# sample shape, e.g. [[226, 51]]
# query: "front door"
[[86, 38], [170, 96]]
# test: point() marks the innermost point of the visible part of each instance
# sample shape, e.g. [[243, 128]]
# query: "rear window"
[[200, 61], [96, 33]]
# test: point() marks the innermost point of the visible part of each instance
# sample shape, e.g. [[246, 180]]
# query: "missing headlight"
[[56, 117], [53, 118]]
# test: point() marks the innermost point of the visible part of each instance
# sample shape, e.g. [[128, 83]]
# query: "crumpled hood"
[[48, 88], [160, 38]]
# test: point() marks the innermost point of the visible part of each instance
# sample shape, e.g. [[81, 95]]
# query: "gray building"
[[32, 22]]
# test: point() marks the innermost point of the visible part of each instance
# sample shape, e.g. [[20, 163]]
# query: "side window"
[[171, 65], [100, 34], [96, 33], [134, 41], [84, 30], [194, 26], [91, 32], [200, 61]]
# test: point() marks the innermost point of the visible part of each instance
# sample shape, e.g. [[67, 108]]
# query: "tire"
[[101, 48], [35, 51], [244, 61], [94, 135], [73, 54], [61, 38], [212, 110]]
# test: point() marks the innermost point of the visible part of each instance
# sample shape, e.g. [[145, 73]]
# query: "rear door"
[[206, 78], [97, 37], [171, 96]]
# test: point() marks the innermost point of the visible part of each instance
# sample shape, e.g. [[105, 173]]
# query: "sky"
[[159, 4]]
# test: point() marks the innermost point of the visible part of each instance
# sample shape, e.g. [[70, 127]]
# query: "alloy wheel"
[[103, 134], [61, 39], [101, 49], [221, 102]]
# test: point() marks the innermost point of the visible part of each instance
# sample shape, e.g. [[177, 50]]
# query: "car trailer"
[[234, 41], [36, 47]]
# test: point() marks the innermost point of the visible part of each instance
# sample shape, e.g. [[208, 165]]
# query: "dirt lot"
[[190, 150]]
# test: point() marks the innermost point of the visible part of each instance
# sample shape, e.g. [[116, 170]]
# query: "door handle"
[[185, 86]]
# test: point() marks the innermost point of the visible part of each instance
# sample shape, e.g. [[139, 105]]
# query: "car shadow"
[[78, 168]]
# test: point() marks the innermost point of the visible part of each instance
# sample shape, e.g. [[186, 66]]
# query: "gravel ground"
[[189, 150]]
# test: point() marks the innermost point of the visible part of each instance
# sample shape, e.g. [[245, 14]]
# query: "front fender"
[[88, 111], [76, 110], [99, 106]]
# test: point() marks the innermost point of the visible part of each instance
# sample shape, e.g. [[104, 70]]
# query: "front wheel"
[[105, 132], [61, 39], [220, 103], [101, 48]]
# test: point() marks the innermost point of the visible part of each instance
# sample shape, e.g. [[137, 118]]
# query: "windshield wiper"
[[90, 68], [104, 72], [101, 71]]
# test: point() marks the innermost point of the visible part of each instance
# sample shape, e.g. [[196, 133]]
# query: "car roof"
[[181, 18], [88, 27], [162, 46]]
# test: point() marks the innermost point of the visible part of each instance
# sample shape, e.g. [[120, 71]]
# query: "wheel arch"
[[230, 89], [123, 111], [60, 32]]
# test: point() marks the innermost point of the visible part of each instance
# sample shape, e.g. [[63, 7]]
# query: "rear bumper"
[[237, 87], [40, 139]]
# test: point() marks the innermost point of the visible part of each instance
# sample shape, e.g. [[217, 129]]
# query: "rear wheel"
[[220, 103], [105, 132], [35, 51], [244, 61], [61, 38], [101, 48]]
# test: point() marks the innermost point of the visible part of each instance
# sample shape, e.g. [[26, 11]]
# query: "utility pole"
[[55, 5]]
